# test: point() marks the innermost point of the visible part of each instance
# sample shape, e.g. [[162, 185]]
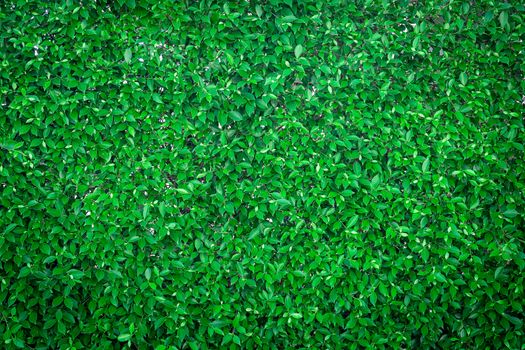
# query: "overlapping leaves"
[[323, 174]]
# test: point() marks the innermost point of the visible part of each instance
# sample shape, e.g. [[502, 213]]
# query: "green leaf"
[[198, 244], [182, 191], [298, 51], [236, 340], [236, 116], [46, 249], [498, 272], [283, 202], [426, 165], [504, 19], [353, 221], [219, 323], [289, 18], [157, 98], [514, 320], [255, 232], [425, 254], [124, 337], [69, 303], [511, 213], [439, 277], [373, 298], [374, 183], [227, 338], [463, 78], [19, 343], [75, 274], [127, 55]]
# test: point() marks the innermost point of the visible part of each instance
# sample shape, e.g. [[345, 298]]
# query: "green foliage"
[[288, 174]]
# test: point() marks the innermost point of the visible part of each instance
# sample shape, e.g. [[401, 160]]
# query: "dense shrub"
[[323, 174]]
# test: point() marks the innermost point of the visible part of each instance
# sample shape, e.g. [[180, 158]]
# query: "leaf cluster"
[[262, 174]]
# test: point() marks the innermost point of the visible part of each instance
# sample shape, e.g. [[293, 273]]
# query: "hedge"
[[262, 174]]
